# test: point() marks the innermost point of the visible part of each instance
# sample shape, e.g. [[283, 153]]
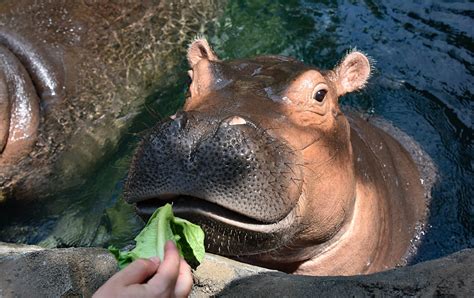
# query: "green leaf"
[[161, 227], [190, 241]]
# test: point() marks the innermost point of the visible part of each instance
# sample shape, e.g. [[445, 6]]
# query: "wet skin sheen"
[[73, 74], [262, 157]]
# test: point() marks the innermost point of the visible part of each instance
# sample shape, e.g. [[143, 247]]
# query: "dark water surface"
[[423, 83]]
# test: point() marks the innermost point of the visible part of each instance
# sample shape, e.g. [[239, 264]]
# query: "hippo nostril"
[[180, 119], [237, 120]]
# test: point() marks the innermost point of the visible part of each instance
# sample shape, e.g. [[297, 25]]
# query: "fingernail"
[[170, 245], [155, 260]]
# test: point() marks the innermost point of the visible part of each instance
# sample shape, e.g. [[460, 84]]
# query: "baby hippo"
[[262, 157]]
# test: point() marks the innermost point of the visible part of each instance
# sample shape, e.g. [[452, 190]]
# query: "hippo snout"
[[228, 162]]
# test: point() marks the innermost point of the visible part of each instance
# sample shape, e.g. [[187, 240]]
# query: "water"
[[423, 83]]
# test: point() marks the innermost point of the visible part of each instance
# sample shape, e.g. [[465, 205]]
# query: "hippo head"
[[260, 156]]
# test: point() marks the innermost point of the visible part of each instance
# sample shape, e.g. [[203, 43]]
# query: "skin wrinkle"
[[302, 149], [319, 114], [5, 105], [47, 77], [307, 163]]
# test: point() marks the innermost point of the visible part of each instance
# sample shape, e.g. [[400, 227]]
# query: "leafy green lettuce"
[[161, 227]]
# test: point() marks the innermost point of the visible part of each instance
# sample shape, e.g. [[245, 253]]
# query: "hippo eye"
[[320, 94]]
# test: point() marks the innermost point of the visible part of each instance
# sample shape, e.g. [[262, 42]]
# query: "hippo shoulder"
[[384, 152], [424, 163]]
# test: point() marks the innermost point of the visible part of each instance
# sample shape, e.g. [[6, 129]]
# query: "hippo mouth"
[[183, 205], [189, 206], [19, 109], [27, 74], [228, 232]]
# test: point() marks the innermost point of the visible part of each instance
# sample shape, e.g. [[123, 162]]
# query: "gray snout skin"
[[220, 161], [226, 174]]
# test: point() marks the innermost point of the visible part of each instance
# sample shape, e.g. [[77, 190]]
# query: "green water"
[[423, 83]]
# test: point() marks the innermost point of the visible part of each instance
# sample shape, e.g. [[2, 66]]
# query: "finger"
[[165, 279], [155, 260], [185, 280], [137, 272]]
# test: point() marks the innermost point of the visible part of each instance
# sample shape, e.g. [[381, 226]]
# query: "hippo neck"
[[355, 247], [386, 211]]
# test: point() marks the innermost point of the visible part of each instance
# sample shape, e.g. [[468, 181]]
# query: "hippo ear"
[[353, 72], [200, 49]]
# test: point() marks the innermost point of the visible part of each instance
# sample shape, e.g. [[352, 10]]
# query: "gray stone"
[[11, 249], [449, 276], [216, 272], [31, 271]]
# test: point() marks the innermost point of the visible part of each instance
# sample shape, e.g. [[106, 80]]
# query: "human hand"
[[149, 278]]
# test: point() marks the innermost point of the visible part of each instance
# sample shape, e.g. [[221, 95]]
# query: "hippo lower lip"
[[29, 78], [190, 207], [46, 74], [19, 109], [227, 232], [186, 204]]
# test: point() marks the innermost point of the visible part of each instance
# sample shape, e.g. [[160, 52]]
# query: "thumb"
[[137, 272]]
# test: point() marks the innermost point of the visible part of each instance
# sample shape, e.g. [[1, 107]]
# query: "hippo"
[[262, 157], [73, 74]]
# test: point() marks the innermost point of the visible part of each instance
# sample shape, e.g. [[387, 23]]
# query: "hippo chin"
[[73, 74], [262, 157]]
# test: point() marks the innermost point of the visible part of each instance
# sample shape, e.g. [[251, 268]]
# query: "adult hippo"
[[72, 76], [265, 161]]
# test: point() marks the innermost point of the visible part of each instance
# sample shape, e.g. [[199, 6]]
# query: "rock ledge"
[[31, 271]]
